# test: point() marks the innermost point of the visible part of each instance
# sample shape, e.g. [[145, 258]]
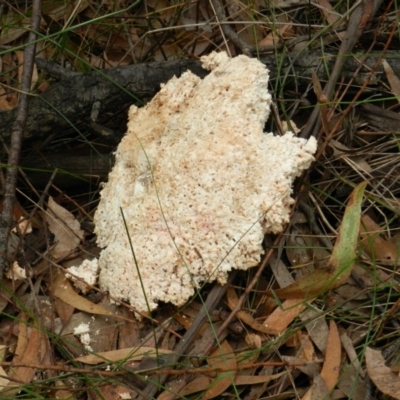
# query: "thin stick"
[[6, 218]]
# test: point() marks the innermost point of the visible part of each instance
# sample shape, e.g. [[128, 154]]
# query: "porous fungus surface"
[[196, 184]]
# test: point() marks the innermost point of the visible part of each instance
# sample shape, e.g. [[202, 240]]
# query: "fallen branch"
[[65, 107]]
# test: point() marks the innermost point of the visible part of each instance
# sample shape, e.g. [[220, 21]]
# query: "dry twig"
[[6, 218]]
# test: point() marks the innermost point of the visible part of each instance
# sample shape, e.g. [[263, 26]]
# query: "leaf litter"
[[324, 347]]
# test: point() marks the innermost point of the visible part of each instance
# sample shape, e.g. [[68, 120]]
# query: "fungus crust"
[[198, 184]]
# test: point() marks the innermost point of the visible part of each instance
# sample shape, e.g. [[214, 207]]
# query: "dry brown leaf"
[[379, 249], [349, 291], [8, 35], [64, 12], [64, 310], [351, 353], [351, 384], [357, 162], [310, 369], [316, 326], [64, 394], [132, 354], [34, 353], [64, 291], [221, 357], [245, 317], [23, 338], [65, 227], [318, 390], [205, 335], [255, 380], [202, 382], [331, 368], [8, 101], [3, 375], [302, 342], [198, 384], [307, 351], [95, 332], [114, 392], [183, 319], [100, 331], [254, 341], [318, 282], [385, 380], [4, 379], [3, 352], [379, 275], [283, 316], [129, 331], [392, 78], [281, 272]]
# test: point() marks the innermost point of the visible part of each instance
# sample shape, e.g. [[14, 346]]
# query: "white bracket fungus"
[[196, 184]]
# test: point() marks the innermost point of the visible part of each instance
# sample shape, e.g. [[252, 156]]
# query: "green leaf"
[[342, 258]]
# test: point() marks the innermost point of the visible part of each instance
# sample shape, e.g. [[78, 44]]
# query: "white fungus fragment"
[[196, 185], [16, 272], [82, 330], [87, 272], [86, 340]]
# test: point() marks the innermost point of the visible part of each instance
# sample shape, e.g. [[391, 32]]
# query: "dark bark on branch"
[[74, 170], [68, 103], [71, 99]]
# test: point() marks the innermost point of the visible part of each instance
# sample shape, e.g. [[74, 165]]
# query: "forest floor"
[[317, 318]]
